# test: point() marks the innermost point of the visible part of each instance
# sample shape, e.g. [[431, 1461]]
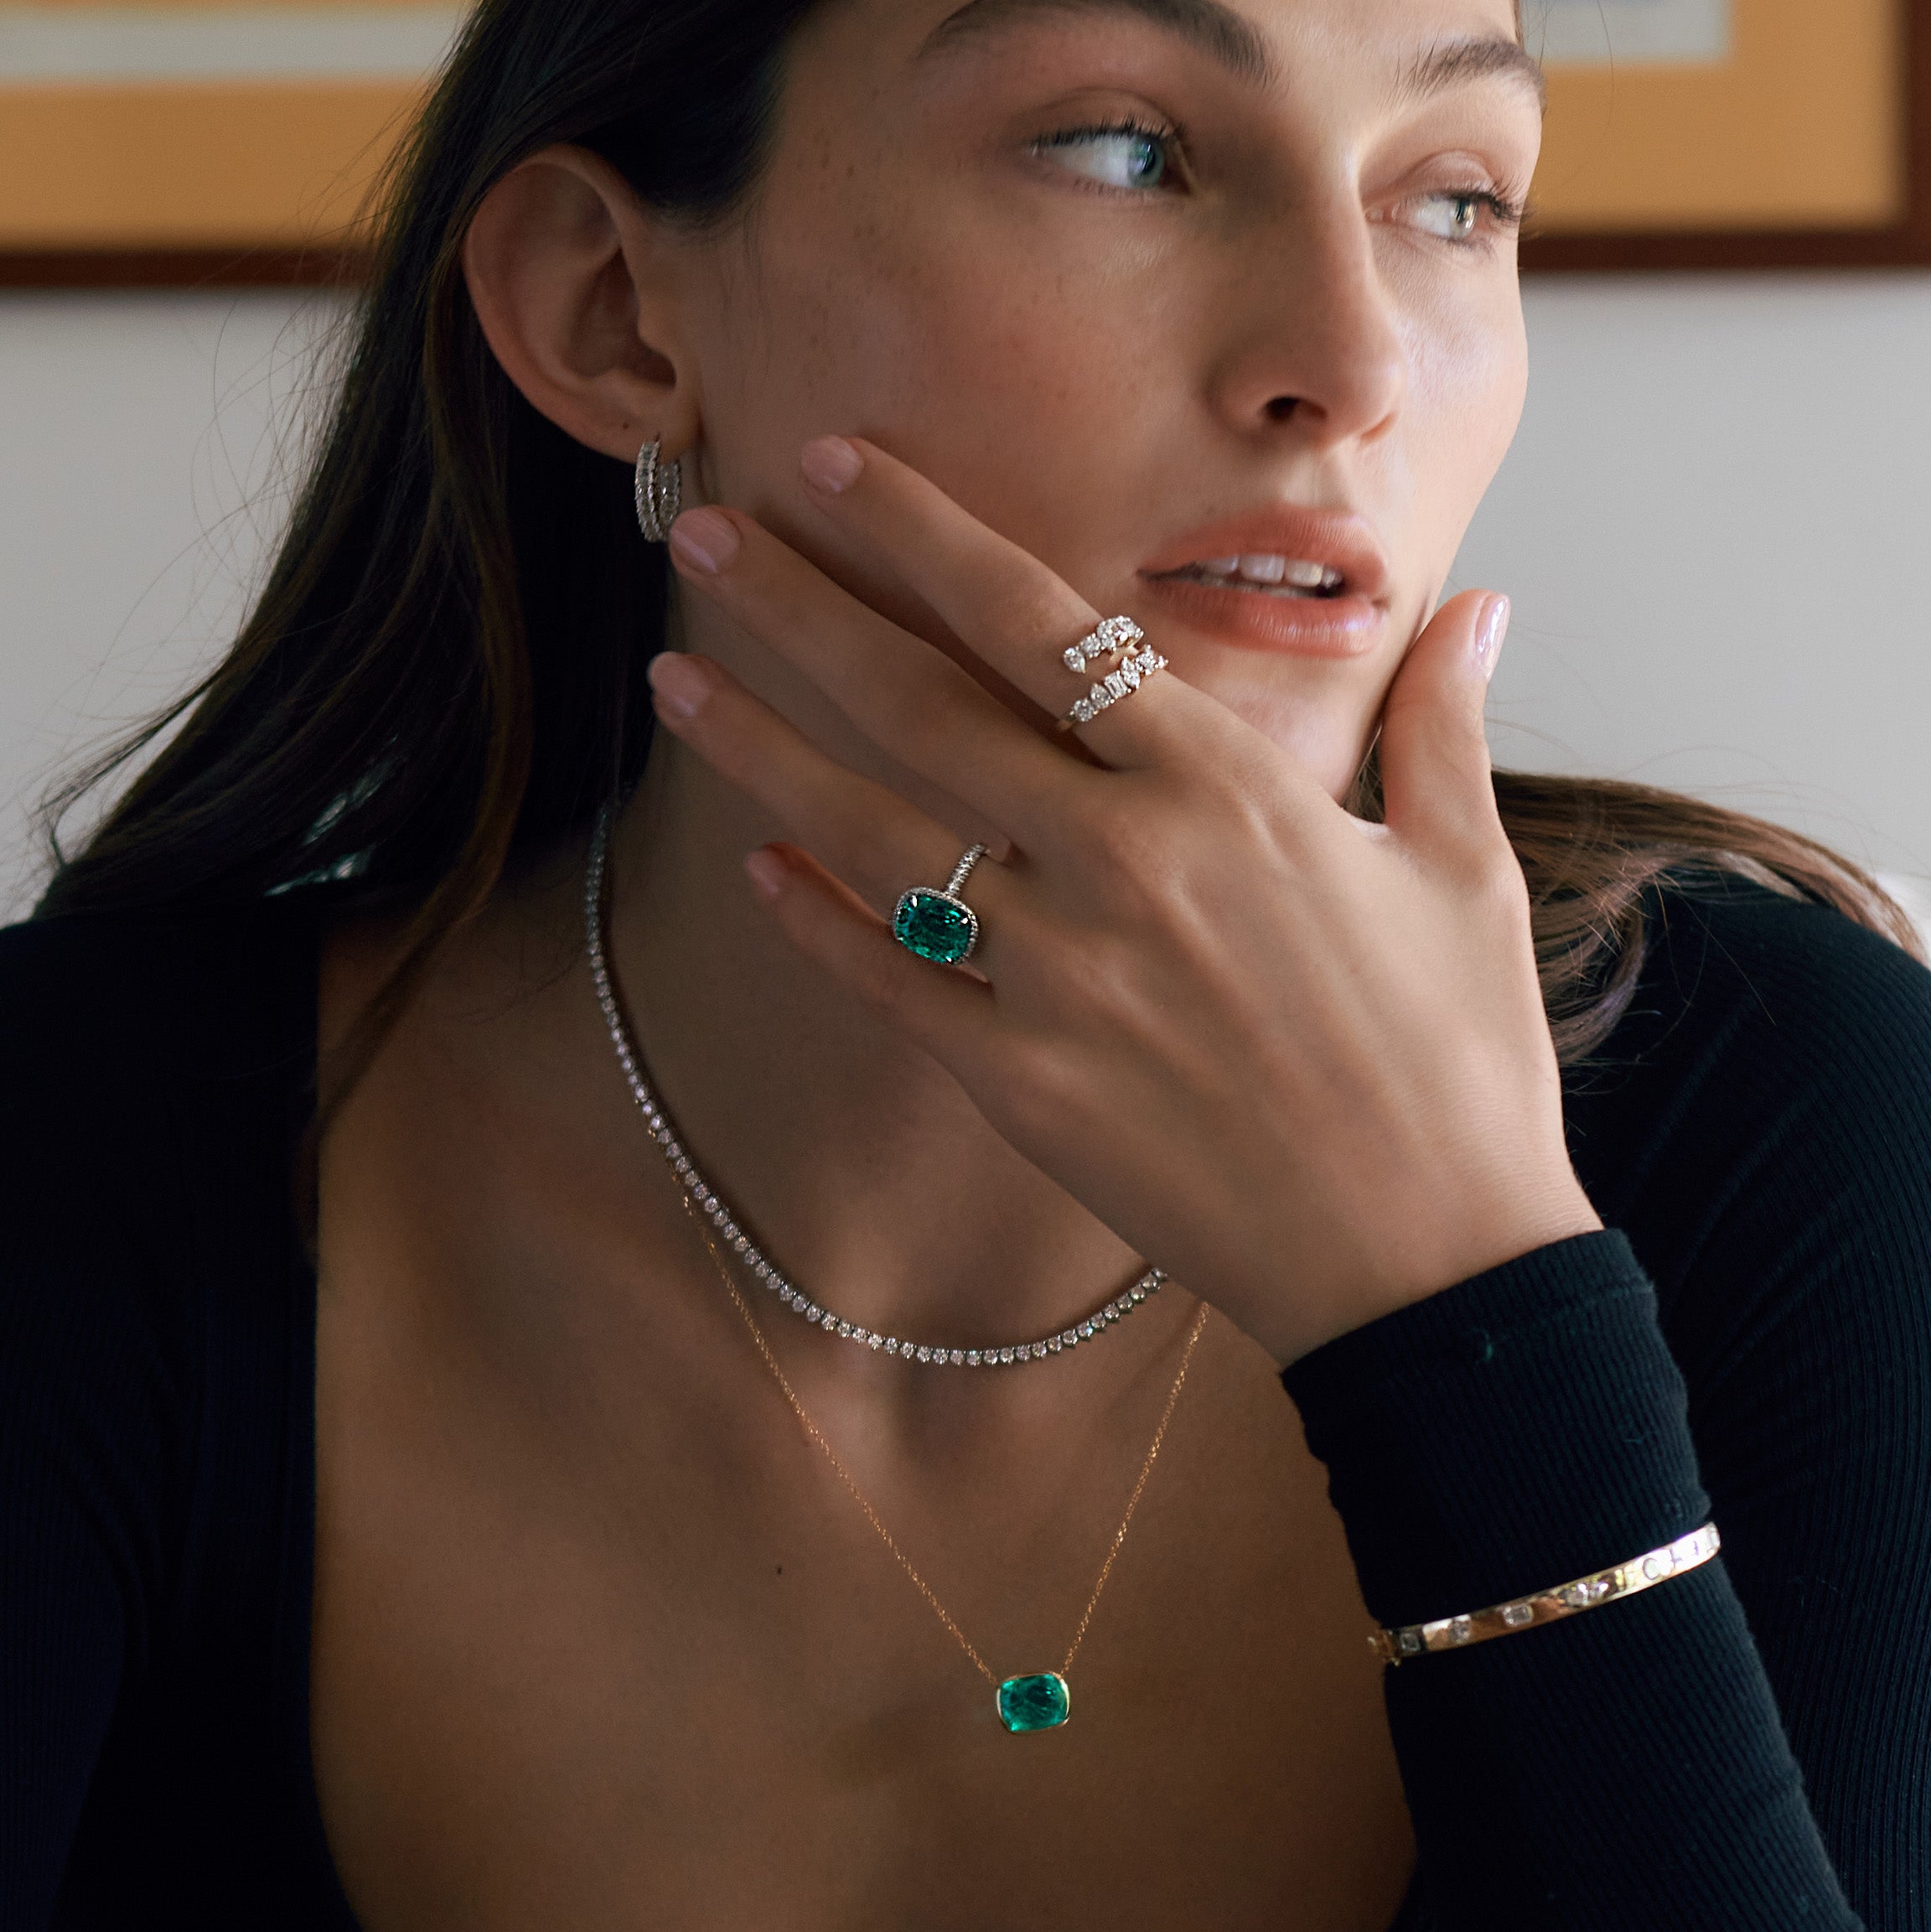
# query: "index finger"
[[1003, 603]]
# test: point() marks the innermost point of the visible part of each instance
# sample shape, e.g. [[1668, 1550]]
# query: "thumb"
[[1435, 770]]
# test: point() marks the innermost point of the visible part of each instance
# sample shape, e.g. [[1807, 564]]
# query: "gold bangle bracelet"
[[1590, 1592]]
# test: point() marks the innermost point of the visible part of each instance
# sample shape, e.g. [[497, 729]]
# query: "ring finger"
[[860, 829]]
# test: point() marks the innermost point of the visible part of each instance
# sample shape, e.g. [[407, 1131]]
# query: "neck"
[[856, 1162]]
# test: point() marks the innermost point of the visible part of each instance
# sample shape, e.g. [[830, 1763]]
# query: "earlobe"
[[569, 275]]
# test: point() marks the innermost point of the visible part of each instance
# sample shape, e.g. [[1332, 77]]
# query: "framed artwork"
[[202, 142], [227, 141], [1732, 133]]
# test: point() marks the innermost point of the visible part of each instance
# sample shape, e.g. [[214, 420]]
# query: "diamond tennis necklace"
[[688, 1177]]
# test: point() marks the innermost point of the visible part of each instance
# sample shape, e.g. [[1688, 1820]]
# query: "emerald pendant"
[[934, 925], [1039, 1703]]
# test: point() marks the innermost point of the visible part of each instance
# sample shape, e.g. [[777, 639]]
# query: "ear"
[[573, 280]]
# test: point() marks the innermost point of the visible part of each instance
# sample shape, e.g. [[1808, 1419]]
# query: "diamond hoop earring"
[[659, 493]]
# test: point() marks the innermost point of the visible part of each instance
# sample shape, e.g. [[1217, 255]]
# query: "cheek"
[[1018, 378], [1469, 377], [920, 326]]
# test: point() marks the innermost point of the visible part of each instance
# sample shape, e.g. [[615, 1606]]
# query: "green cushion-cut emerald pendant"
[[1039, 1703], [935, 926]]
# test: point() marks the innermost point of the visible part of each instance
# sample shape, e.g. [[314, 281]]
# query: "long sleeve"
[[98, 1381], [90, 1501], [1748, 1745], [157, 1372]]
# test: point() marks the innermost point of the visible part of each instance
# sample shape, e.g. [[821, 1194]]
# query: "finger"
[[862, 830], [948, 1013], [1008, 608], [909, 699], [1435, 774]]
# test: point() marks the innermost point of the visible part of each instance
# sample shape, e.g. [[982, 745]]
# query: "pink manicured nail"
[[766, 872], [680, 688], [1489, 633], [830, 464], [705, 540]]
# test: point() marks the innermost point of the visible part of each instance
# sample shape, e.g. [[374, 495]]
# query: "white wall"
[[1715, 526], [143, 440], [1716, 523]]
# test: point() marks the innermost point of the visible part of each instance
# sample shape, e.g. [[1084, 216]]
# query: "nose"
[[1312, 345]]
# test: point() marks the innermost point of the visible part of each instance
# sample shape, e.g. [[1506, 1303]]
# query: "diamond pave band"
[[658, 489], [1132, 671], [684, 1172]]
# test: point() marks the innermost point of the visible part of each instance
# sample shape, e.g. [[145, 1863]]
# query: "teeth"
[[1268, 567]]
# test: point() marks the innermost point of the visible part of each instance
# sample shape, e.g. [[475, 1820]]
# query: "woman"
[[423, 1503]]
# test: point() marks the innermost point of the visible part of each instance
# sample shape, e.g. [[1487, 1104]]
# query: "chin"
[[1327, 734]]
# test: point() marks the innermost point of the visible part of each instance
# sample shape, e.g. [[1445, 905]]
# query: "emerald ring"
[[938, 925]]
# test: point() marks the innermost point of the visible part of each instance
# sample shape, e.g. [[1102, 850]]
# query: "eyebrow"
[[1216, 30], [1237, 45], [1457, 62]]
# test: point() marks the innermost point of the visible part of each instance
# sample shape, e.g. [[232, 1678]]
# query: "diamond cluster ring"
[[1111, 637], [1116, 637]]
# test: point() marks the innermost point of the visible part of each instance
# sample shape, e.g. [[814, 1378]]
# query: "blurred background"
[[1714, 524]]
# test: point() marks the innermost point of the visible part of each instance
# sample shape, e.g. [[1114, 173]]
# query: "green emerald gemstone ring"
[[1039, 1703], [938, 924]]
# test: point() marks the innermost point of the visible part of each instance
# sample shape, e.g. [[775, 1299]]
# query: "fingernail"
[[1489, 633], [766, 872], [705, 540], [830, 464], [680, 688]]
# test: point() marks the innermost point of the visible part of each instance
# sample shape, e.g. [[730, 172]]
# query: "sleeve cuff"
[[1527, 1426]]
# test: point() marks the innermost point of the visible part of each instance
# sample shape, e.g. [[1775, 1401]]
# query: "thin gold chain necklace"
[[1036, 1700]]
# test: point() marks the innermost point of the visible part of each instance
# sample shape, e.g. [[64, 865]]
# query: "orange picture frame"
[[217, 142], [1807, 145], [205, 141]]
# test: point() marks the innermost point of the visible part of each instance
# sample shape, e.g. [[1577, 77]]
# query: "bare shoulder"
[[523, 942]]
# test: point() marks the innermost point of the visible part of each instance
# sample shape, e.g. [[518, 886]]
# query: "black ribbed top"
[[1748, 1746]]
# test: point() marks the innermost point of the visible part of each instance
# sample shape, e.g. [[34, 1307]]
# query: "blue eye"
[[1458, 215], [1126, 156], [1453, 217]]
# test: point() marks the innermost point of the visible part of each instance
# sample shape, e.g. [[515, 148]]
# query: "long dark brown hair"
[[442, 674]]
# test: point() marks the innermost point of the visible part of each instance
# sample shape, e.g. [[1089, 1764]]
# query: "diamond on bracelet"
[[1581, 1596]]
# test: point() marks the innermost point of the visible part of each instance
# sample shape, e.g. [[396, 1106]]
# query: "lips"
[[1309, 582]]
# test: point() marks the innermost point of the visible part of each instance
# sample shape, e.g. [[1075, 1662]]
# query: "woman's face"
[[1148, 286]]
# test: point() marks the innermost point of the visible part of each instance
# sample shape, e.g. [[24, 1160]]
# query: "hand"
[[1305, 1071]]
